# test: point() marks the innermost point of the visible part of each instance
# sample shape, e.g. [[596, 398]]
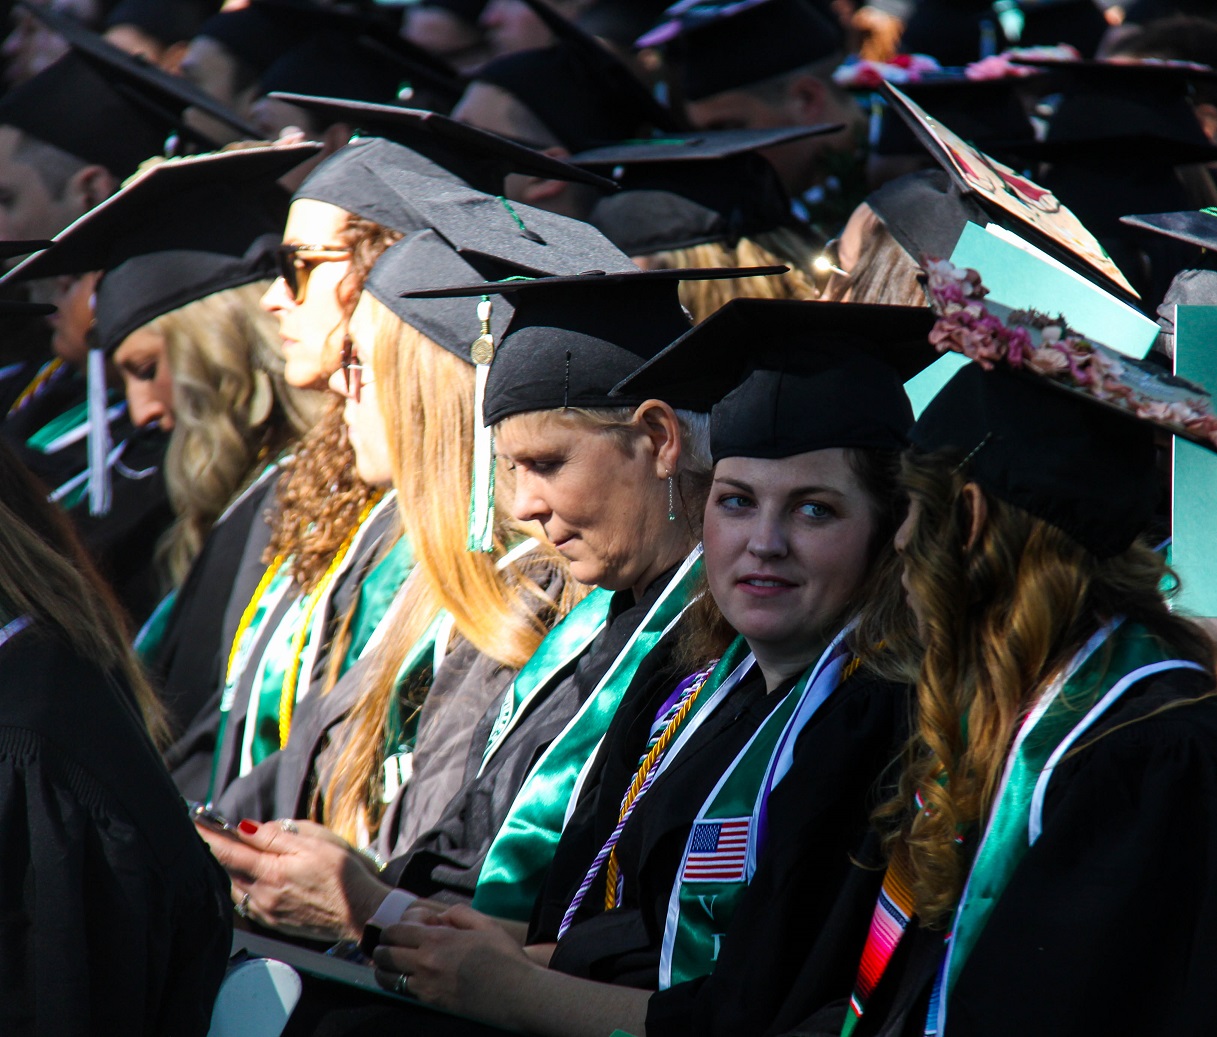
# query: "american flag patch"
[[718, 851]]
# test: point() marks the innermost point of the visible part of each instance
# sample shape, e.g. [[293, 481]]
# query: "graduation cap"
[[612, 74], [726, 46], [695, 188], [441, 146], [19, 307], [167, 21], [146, 88], [258, 35], [1194, 226], [787, 377], [1007, 195], [1125, 111], [1055, 425], [925, 212], [988, 113], [572, 98], [569, 341], [177, 232]]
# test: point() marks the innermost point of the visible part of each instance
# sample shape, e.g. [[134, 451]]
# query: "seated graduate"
[[1052, 845], [655, 858], [113, 916], [184, 251], [607, 478]]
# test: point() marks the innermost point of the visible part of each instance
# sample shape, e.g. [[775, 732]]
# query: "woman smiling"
[[655, 857]]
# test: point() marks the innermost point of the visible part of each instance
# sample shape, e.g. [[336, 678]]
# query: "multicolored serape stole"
[[672, 715], [888, 924]]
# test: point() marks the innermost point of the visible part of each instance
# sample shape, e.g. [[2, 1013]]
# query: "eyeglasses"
[[354, 374], [296, 262], [826, 265]]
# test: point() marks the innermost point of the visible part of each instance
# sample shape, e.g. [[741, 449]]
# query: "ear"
[[336, 136], [90, 186], [977, 505], [536, 192], [171, 59], [661, 426], [806, 97]]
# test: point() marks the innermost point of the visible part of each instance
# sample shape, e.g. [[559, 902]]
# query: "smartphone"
[[202, 814]]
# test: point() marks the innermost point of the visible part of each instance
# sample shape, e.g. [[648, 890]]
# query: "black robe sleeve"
[[114, 918]]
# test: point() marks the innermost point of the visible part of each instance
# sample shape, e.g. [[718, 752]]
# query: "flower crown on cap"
[[1037, 344]]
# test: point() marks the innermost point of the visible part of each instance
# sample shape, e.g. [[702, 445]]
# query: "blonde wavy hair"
[[224, 355], [46, 574], [427, 401], [777, 247], [998, 618]]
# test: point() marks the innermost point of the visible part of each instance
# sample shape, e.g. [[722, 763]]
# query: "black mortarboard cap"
[[179, 231], [71, 106], [571, 340], [20, 307], [167, 21], [674, 205], [620, 22], [787, 377], [613, 75], [570, 97], [441, 147], [989, 113], [1079, 466], [1193, 226], [693, 145], [152, 90], [257, 35], [925, 212], [1008, 196], [1125, 111], [726, 46]]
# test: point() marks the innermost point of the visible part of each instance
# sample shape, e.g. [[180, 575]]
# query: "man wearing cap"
[[770, 64]]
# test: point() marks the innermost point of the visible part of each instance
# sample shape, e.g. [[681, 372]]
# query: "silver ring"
[[242, 907], [400, 985], [289, 826]]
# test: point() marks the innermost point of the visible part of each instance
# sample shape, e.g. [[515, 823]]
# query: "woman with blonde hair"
[[95, 846], [1052, 842]]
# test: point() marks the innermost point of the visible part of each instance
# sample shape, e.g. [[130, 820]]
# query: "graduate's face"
[[143, 361], [362, 412], [787, 545], [601, 505], [311, 327]]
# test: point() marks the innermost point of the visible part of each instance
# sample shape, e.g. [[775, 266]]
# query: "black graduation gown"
[[114, 917], [189, 663], [445, 862], [622, 946], [797, 934], [1109, 923]]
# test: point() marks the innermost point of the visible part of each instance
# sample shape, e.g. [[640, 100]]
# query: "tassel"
[[99, 435], [481, 497]]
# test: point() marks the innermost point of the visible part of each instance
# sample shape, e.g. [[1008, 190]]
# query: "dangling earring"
[[671, 498]]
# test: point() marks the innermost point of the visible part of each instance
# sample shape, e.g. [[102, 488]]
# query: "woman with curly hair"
[[1052, 843]]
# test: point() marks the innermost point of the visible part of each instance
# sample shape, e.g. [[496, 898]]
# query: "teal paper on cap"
[[1195, 471], [1023, 277]]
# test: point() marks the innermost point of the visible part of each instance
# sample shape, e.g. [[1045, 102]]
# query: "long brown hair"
[[998, 619], [427, 401], [45, 574], [320, 497]]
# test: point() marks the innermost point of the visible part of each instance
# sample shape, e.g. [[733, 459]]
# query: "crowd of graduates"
[[593, 517]]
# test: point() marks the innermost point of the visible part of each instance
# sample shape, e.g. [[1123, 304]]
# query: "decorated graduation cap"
[[148, 89], [727, 46], [437, 145], [1051, 423], [787, 377], [1008, 196], [179, 231], [1126, 111], [693, 188], [569, 342]]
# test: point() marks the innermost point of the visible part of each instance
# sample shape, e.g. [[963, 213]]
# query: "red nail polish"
[[248, 827]]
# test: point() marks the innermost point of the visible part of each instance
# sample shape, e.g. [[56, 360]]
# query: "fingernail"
[[248, 827]]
